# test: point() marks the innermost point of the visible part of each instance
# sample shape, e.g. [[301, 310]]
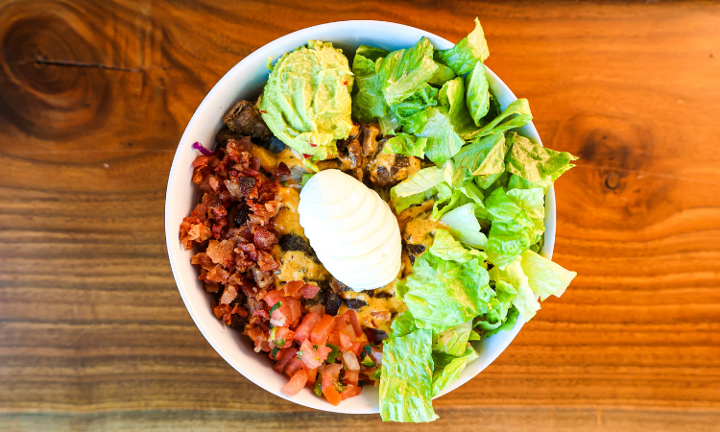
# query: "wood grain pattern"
[[95, 95]]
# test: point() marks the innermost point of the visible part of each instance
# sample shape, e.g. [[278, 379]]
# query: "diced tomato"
[[272, 297], [309, 356], [323, 352], [294, 366], [283, 334], [278, 353], [351, 377], [295, 308], [282, 316], [341, 322], [296, 383], [354, 321], [329, 379], [345, 341], [332, 395], [294, 289], [309, 322], [200, 161], [310, 291], [312, 376], [334, 339], [322, 329], [357, 347], [318, 309], [288, 355], [350, 391]]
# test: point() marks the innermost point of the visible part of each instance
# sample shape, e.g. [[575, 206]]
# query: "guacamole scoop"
[[306, 102]]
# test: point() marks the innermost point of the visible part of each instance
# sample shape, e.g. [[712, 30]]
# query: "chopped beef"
[[245, 119], [243, 211], [355, 303], [332, 303]]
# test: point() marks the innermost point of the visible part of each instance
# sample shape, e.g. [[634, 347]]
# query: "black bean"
[[415, 249], [332, 303]]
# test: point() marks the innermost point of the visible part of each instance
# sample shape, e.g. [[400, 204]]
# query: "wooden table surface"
[[94, 96]]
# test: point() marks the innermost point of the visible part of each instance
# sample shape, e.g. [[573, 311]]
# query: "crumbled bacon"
[[234, 257]]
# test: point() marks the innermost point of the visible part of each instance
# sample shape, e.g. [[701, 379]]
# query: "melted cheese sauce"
[[297, 265], [287, 220], [379, 312]]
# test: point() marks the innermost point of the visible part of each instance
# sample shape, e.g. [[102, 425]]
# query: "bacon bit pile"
[[236, 262]]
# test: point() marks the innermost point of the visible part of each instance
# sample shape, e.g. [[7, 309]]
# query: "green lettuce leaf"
[[517, 114], [484, 157], [513, 280], [478, 93], [402, 325], [533, 202], [464, 226], [405, 110], [389, 124], [454, 341], [462, 57], [405, 71], [443, 142], [448, 368], [443, 75], [452, 98], [538, 165], [406, 144], [421, 181], [545, 277], [371, 53], [441, 294], [511, 232], [368, 101], [406, 378], [446, 247]]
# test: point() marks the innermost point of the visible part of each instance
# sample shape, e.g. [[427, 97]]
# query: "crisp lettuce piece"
[[406, 381], [446, 199], [484, 157], [425, 97], [441, 294], [406, 144], [464, 226], [511, 232], [443, 142], [447, 248], [474, 336], [462, 57], [538, 165], [490, 326], [478, 93], [513, 280], [452, 98], [402, 325], [389, 124], [368, 101], [421, 181], [533, 202], [443, 75], [405, 71], [545, 277], [454, 341], [401, 203], [517, 114], [448, 368], [371, 53]]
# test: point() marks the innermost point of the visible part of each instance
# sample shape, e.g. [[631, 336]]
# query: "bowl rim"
[[171, 230]]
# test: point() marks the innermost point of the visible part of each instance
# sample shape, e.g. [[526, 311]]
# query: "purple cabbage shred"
[[201, 148]]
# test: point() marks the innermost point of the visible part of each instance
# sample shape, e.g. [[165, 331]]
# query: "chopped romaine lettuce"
[[448, 368], [462, 57], [405, 71], [536, 164], [447, 248], [443, 75], [511, 232], [545, 277], [402, 325], [443, 141], [407, 378], [463, 224], [406, 144], [368, 101], [478, 93], [513, 280], [441, 293], [517, 114], [452, 98], [454, 341], [423, 180]]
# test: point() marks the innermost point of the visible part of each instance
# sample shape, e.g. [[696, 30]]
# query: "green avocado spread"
[[306, 102]]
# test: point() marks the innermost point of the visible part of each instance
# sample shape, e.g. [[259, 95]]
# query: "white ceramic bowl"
[[245, 81]]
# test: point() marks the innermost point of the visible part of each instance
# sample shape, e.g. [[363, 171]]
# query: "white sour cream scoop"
[[352, 230]]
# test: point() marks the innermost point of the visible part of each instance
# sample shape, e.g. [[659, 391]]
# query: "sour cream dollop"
[[352, 230]]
